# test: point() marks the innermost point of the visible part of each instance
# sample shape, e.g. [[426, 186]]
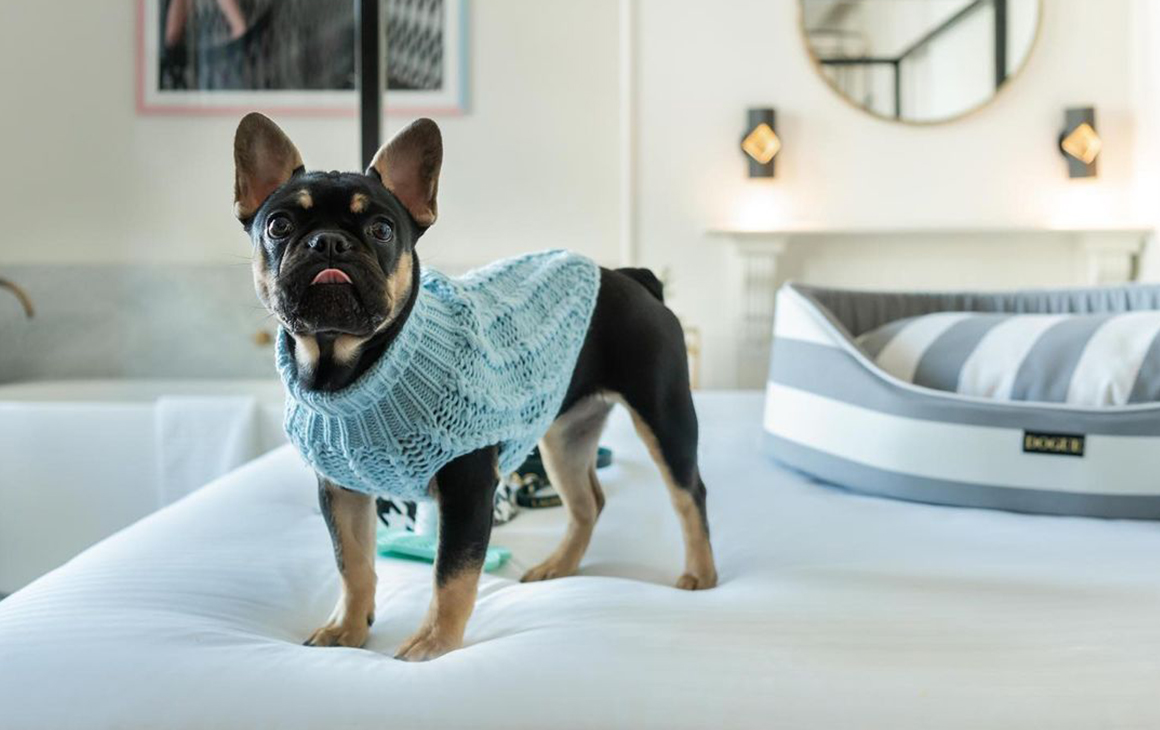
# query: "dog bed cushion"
[[1057, 413], [1087, 359]]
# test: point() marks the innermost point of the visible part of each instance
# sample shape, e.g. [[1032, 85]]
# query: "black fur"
[[635, 347], [465, 490], [647, 279], [332, 375]]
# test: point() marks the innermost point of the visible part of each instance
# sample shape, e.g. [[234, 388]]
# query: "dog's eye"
[[382, 229], [279, 226]]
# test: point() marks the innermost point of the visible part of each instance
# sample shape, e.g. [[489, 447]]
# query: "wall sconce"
[[1079, 142], [761, 143]]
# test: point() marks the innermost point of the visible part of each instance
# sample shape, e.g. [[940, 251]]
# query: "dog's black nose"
[[328, 243]]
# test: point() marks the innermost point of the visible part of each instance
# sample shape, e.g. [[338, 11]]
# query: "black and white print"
[[295, 55]]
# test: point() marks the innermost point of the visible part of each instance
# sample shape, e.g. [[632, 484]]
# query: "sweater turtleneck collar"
[[367, 390]]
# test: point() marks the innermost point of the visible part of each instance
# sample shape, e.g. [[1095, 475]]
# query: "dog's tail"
[[647, 279]]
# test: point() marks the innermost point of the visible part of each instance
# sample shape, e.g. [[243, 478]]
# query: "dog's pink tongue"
[[331, 276]]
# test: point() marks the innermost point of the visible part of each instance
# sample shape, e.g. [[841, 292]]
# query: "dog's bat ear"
[[264, 159], [409, 167]]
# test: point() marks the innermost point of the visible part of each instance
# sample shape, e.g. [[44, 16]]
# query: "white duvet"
[[834, 611]]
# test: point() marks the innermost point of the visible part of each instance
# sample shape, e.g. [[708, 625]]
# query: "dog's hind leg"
[[568, 451], [671, 438]]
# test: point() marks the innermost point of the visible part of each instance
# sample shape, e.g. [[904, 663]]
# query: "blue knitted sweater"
[[483, 359]]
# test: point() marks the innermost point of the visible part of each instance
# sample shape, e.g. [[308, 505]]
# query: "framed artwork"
[[295, 56]]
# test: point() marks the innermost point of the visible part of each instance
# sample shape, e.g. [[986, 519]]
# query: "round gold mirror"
[[919, 61]]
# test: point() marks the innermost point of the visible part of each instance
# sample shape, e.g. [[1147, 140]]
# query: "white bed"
[[834, 610]]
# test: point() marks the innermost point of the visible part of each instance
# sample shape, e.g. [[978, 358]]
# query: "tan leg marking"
[[358, 203], [700, 569], [442, 630], [453, 598], [305, 200], [352, 526], [569, 453]]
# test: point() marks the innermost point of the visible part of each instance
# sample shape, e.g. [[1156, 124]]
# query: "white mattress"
[[834, 610]]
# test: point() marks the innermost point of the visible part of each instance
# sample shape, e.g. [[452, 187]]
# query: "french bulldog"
[[335, 260]]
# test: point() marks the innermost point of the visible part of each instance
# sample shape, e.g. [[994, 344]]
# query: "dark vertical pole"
[[898, 88], [370, 77], [1000, 42]]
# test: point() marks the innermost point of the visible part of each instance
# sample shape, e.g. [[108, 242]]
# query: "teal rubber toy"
[[423, 546]]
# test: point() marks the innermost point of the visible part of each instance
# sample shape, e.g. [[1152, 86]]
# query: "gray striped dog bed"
[[1038, 401]]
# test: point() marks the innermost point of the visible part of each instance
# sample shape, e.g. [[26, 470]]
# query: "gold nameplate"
[[1060, 444]]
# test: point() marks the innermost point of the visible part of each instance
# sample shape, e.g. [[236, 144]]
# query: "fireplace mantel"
[[1107, 255]]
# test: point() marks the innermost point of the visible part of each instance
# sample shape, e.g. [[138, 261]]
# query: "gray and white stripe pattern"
[[914, 433], [1092, 360]]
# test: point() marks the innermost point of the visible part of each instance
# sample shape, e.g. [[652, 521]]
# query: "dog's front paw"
[[350, 633], [427, 644]]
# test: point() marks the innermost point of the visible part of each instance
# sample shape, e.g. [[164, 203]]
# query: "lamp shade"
[[760, 142], [1079, 142]]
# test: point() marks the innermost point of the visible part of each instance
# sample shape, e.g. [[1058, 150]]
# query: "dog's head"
[[334, 252]]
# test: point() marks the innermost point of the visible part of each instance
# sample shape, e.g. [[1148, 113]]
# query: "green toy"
[[423, 543]]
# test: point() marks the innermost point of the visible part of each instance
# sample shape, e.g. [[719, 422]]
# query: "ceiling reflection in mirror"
[[919, 61]]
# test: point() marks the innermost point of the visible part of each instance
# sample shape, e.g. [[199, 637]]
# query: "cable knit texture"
[[483, 359]]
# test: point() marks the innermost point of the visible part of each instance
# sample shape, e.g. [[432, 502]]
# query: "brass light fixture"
[[761, 143], [1079, 142]]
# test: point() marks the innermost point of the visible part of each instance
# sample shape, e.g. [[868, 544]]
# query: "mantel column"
[[758, 259], [1110, 258]]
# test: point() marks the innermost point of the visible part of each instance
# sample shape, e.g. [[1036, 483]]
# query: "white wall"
[[1147, 89], [534, 163], [702, 67]]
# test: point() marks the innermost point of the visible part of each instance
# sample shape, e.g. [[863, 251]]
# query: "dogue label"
[[1059, 444]]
